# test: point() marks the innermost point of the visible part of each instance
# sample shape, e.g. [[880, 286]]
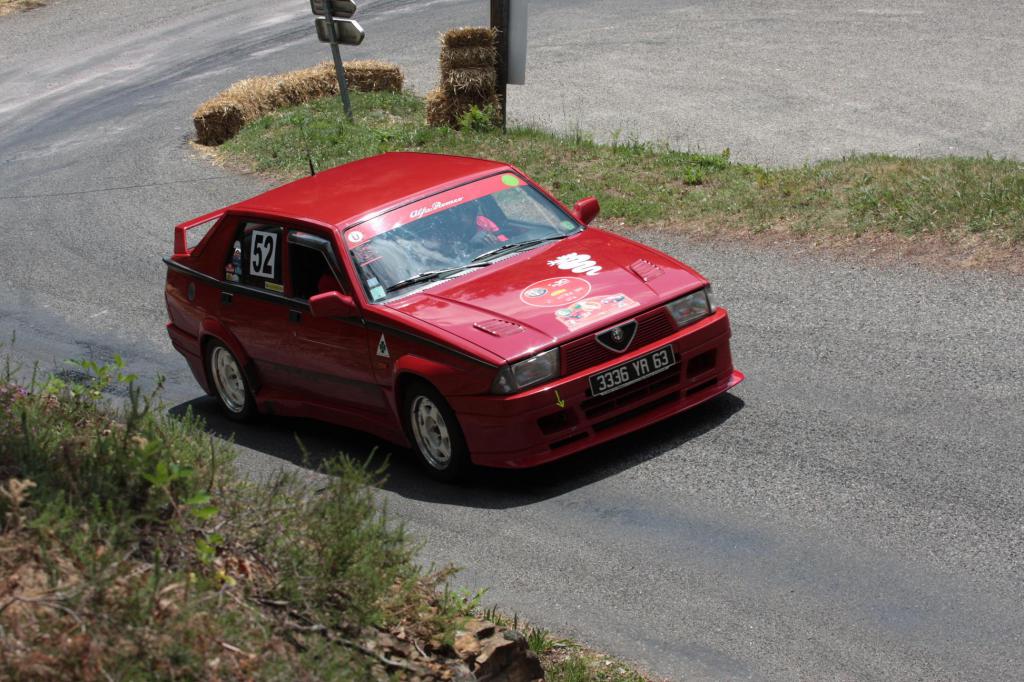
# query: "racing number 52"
[[262, 256]]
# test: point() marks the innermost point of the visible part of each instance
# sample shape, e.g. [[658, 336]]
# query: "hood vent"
[[646, 270], [496, 327]]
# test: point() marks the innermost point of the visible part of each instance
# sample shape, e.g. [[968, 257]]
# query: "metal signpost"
[[509, 18], [334, 25]]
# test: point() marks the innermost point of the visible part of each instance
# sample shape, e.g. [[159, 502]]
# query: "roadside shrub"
[[132, 549], [478, 120]]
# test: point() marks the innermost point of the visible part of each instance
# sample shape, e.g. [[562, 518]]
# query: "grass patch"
[[641, 183], [577, 667]]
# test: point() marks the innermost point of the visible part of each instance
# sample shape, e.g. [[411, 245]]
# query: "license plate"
[[631, 372]]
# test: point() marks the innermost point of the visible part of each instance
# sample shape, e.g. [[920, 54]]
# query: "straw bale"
[[469, 36], [468, 57], [478, 81], [219, 119], [371, 75], [445, 108], [437, 108]]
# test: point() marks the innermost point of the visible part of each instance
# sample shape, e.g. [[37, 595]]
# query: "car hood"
[[551, 294]]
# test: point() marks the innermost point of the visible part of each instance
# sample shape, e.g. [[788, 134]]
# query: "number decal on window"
[[263, 254]]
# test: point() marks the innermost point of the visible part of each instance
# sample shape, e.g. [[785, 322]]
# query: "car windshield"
[[450, 232]]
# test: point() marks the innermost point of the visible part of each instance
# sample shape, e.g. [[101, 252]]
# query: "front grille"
[[587, 352]]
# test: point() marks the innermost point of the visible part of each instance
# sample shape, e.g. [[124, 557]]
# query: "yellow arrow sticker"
[[558, 399]]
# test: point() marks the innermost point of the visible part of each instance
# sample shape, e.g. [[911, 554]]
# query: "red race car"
[[446, 304]]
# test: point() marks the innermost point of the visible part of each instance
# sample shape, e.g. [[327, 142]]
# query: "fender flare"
[[441, 376], [410, 369], [212, 328]]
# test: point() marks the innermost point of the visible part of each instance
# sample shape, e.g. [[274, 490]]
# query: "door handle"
[[294, 316], [225, 297]]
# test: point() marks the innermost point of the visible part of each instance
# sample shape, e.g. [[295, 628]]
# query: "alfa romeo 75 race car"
[[446, 304]]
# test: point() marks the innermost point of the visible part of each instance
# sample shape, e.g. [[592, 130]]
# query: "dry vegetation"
[[11, 6]]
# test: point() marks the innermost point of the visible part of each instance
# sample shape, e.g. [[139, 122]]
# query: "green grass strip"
[[642, 183]]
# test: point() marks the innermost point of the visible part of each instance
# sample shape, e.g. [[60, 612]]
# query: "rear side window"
[[261, 246]]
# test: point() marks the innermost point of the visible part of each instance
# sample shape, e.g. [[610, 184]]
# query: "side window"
[[256, 256], [308, 268]]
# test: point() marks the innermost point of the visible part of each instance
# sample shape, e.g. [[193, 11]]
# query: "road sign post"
[[499, 22], [336, 27], [508, 17]]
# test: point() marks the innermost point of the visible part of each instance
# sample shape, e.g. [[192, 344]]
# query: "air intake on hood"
[[646, 270], [499, 327]]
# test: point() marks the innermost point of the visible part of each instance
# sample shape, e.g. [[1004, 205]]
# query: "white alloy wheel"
[[227, 378], [430, 430]]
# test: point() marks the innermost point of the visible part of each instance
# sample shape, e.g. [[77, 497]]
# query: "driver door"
[[330, 359]]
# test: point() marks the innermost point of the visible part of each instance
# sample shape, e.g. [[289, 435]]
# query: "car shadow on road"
[[309, 443]]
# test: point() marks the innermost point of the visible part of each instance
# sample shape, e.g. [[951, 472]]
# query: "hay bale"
[[468, 57], [220, 118], [445, 108], [468, 76], [469, 36], [371, 75], [217, 120], [437, 108], [479, 80]]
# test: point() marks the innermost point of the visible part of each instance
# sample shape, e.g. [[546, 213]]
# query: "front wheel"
[[436, 436], [229, 382]]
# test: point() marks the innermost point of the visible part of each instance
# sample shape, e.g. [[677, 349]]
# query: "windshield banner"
[[363, 232]]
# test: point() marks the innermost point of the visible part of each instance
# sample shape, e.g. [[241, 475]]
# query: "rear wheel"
[[229, 383], [436, 436]]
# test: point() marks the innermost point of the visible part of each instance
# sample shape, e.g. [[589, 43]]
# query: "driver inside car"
[[473, 232]]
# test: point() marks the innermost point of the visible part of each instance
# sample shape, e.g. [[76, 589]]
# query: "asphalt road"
[[852, 511]]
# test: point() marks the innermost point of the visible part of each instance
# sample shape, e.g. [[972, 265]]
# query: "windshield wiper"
[[430, 275], [517, 246]]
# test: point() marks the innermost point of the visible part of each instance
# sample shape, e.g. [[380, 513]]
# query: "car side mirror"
[[586, 210], [332, 304]]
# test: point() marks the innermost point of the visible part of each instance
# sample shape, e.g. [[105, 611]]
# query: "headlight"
[[540, 367], [690, 308]]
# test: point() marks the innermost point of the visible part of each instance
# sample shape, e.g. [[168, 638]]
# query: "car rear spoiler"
[[180, 231]]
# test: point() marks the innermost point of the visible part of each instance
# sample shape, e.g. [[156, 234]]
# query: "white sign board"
[[348, 31]]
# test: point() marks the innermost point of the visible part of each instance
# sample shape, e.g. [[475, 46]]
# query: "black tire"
[[229, 384], [435, 434]]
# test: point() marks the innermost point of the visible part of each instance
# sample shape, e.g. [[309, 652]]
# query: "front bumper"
[[531, 428]]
